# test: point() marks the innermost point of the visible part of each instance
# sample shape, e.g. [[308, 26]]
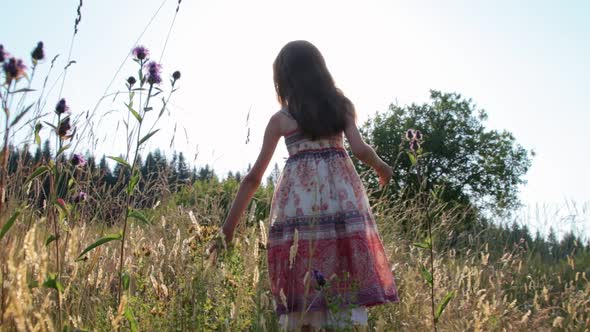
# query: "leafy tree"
[[475, 166]]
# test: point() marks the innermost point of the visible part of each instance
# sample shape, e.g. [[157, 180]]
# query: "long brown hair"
[[304, 84]]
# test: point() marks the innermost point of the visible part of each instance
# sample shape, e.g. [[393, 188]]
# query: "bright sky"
[[526, 62]]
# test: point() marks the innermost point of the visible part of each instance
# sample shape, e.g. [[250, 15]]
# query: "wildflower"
[[410, 134], [38, 53], [14, 69], [154, 73], [3, 54], [176, 75], [319, 278], [140, 53], [64, 128], [414, 145], [131, 80], [418, 135], [80, 197], [61, 107], [78, 160]]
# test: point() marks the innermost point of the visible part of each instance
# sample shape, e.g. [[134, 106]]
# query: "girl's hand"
[[385, 174]]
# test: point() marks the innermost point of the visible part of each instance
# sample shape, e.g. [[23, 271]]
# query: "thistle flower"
[[3, 54], [319, 278], [410, 134], [140, 53], [418, 135], [64, 128], [38, 54], [154, 73], [78, 160], [14, 69], [80, 197], [131, 80], [61, 107], [176, 75]]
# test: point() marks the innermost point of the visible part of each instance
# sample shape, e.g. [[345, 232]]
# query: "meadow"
[[88, 247]]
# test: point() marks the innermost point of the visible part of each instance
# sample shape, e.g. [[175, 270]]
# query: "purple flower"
[[418, 135], [154, 73], [38, 53], [14, 69], [319, 278], [131, 80], [3, 54], [78, 160], [176, 75], [410, 134], [80, 197], [140, 53], [61, 107]]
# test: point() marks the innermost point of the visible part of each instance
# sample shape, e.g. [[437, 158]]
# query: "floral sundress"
[[324, 250]]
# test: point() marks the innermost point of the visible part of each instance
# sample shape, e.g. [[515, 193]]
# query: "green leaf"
[[50, 125], [38, 172], [9, 223], [423, 245], [52, 282], [131, 319], [146, 137], [412, 158], [139, 216], [443, 304], [63, 148], [101, 241], [134, 112], [38, 127], [120, 161], [125, 279], [21, 91], [21, 114], [426, 275], [133, 182], [50, 239], [163, 108]]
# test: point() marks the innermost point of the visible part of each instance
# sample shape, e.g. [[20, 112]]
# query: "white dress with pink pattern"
[[337, 267]]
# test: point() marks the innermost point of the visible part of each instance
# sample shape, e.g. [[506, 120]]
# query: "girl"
[[325, 257]]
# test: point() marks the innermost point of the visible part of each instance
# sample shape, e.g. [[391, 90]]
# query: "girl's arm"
[[252, 180], [366, 154]]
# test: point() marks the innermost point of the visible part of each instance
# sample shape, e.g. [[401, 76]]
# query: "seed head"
[[38, 54], [3, 54], [14, 69], [61, 107]]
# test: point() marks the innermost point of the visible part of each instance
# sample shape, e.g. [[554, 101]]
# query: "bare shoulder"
[[283, 122]]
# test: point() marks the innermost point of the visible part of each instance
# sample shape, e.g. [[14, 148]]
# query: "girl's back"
[[324, 250]]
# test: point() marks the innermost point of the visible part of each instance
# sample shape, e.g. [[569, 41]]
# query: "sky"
[[527, 63]]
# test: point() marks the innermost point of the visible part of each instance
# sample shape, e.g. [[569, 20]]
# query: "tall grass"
[[174, 285]]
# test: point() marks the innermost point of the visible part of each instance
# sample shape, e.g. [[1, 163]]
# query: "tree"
[[475, 166]]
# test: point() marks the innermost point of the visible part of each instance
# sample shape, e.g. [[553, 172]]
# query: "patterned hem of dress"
[[325, 319]]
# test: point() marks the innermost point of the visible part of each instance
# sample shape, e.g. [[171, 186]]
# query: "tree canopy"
[[475, 166]]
